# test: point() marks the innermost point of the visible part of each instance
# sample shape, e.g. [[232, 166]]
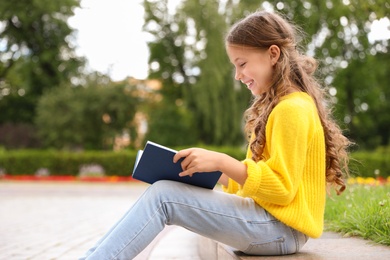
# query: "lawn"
[[361, 210]]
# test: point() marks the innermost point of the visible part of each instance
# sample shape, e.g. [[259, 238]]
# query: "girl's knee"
[[162, 185], [162, 188]]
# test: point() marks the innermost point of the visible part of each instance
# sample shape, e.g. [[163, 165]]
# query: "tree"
[[337, 35], [352, 66], [36, 54], [219, 102], [168, 117], [363, 103], [171, 125], [188, 56], [85, 117]]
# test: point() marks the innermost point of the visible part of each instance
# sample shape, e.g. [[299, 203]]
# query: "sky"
[[109, 35]]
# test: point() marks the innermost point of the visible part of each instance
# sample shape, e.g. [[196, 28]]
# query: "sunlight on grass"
[[362, 210]]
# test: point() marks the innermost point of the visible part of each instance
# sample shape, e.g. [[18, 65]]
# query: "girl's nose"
[[237, 75]]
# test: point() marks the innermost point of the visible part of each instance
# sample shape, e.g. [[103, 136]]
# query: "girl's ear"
[[274, 52]]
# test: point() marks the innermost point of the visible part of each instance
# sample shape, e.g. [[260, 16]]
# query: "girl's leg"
[[92, 249], [235, 221]]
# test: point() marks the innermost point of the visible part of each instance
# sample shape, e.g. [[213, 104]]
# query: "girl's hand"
[[201, 160], [198, 160]]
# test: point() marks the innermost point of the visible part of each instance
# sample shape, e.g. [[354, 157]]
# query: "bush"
[[87, 118], [66, 163], [29, 162], [21, 162], [165, 122], [371, 164]]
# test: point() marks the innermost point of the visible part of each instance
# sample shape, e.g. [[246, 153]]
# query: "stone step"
[[328, 246], [178, 243], [172, 243]]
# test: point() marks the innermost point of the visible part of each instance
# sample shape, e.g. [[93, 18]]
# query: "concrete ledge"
[[329, 246]]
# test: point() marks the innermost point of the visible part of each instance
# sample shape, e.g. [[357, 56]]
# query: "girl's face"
[[253, 67]]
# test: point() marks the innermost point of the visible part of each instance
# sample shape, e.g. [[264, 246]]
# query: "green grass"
[[361, 210]]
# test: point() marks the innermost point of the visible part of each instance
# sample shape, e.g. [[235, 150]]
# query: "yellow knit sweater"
[[290, 181]]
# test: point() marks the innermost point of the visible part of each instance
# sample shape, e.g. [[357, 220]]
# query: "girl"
[[275, 198]]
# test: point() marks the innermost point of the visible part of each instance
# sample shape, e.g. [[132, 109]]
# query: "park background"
[[60, 117]]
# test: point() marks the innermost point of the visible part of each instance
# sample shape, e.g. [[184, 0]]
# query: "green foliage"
[[171, 125], [350, 64], [363, 99], [187, 54], [371, 164], [364, 164], [335, 29], [66, 163], [28, 162], [361, 211], [85, 117], [219, 102], [36, 54]]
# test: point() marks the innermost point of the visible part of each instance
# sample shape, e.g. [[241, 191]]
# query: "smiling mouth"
[[249, 84]]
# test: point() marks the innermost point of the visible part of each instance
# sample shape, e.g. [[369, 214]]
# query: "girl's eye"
[[242, 64]]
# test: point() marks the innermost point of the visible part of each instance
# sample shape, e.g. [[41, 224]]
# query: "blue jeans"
[[230, 219]]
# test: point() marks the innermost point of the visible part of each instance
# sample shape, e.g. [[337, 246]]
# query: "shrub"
[[371, 164], [86, 118], [66, 163], [21, 162]]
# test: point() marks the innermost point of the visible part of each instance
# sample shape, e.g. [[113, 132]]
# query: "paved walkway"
[[41, 220]]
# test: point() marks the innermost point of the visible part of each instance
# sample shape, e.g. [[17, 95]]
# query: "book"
[[155, 162]]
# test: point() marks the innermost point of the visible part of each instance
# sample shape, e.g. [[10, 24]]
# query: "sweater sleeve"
[[276, 179], [233, 187]]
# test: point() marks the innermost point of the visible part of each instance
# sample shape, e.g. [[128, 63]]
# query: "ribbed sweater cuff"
[[253, 181]]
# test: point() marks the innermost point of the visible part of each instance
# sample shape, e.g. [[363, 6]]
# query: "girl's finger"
[[185, 163], [181, 154]]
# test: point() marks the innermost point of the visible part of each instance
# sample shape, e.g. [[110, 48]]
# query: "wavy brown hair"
[[293, 69]]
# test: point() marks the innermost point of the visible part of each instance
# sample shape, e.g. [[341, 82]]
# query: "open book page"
[[161, 146], [139, 155]]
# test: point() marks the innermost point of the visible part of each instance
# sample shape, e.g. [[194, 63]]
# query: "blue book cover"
[[155, 162]]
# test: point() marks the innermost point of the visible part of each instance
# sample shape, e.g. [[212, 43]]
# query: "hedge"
[[370, 164], [28, 162], [66, 163]]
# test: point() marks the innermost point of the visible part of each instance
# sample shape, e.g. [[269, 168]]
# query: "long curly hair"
[[261, 30]]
